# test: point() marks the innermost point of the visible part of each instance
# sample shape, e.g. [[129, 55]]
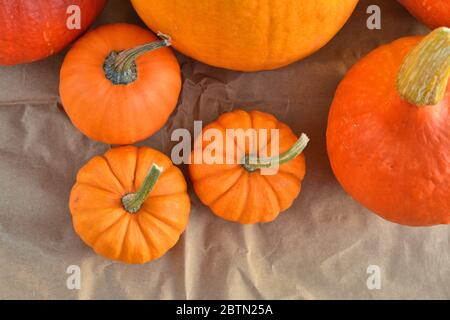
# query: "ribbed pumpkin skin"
[[247, 35], [31, 30], [433, 13], [235, 194], [103, 224], [119, 114], [391, 156]]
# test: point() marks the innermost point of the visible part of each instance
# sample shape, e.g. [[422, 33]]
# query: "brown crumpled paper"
[[319, 249]]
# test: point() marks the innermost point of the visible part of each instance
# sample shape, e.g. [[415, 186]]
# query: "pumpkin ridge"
[[100, 234], [155, 226], [266, 192], [149, 244], [232, 185], [273, 190], [91, 212], [136, 249], [247, 202], [80, 204], [169, 195], [113, 173], [167, 170], [160, 217], [133, 180], [292, 179], [89, 185], [252, 126], [281, 171], [225, 130], [227, 190], [234, 167], [125, 236], [269, 136], [226, 134], [246, 175], [247, 184]]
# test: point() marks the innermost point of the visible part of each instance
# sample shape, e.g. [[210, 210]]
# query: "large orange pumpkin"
[[34, 29], [130, 204], [238, 190], [247, 35], [389, 130], [434, 13], [114, 89]]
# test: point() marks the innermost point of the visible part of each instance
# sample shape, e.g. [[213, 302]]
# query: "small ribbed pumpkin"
[[237, 190], [130, 204]]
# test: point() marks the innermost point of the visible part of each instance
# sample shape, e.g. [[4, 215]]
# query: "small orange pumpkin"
[[388, 131], [114, 89], [433, 13], [237, 190], [130, 204]]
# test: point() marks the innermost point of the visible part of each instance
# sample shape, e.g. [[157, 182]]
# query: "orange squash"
[[130, 204], [119, 84], [238, 190], [247, 35], [388, 131], [433, 13], [31, 30]]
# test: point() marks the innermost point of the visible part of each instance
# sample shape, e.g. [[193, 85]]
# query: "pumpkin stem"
[[253, 163], [424, 75], [120, 67], [133, 202]]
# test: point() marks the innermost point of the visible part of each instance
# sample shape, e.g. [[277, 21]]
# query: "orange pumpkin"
[[238, 190], [114, 89], [389, 130], [247, 35], [433, 13], [130, 204], [33, 30]]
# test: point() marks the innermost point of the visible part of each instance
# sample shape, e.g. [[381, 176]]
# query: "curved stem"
[[120, 67], [125, 58], [133, 202], [252, 163], [424, 75]]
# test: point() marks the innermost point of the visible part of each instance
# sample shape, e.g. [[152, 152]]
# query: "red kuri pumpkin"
[[389, 130], [34, 29], [119, 83], [433, 13], [231, 181], [130, 204]]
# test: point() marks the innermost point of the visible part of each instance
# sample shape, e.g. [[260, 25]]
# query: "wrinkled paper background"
[[319, 249]]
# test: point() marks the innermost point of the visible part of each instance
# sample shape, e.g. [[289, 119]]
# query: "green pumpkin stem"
[[424, 74], [252, 163], [133, 202], [120, 67]]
